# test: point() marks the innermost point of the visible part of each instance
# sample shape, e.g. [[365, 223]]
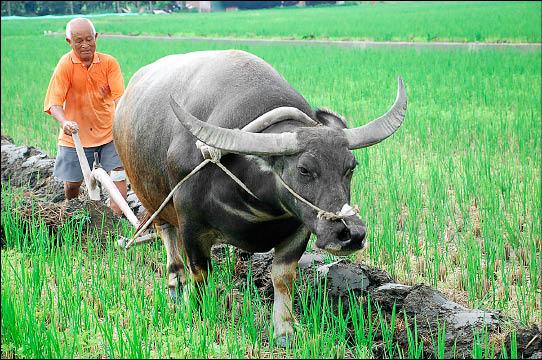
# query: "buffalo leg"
[[198, 250], [175, 264], [283, 274]]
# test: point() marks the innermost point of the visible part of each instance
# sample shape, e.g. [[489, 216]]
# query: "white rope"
[[210, 154], [144, 227], [215, 155], [225, 169], [345, 212]]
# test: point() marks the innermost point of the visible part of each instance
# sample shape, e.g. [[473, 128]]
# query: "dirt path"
[[341, 43]]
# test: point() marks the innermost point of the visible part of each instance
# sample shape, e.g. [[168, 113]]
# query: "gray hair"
[[69, 27]]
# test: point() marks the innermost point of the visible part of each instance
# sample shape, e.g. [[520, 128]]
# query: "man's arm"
[[115, 80], [59, 85], [69, 127]]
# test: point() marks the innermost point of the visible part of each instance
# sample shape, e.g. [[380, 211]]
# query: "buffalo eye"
[[303, 171], [350, 170]]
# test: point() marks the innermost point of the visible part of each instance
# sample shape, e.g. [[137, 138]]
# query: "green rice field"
[[452, 200], [413, 21]]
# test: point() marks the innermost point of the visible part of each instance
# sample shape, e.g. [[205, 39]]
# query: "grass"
[[420, 22], [452, 200], [64, 302]]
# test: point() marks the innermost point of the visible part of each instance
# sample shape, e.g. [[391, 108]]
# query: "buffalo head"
[[315, 162]]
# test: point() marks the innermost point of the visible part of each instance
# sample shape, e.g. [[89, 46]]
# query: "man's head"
[[81, 36]]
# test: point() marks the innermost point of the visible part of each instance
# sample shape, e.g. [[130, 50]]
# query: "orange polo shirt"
[[87, 96]]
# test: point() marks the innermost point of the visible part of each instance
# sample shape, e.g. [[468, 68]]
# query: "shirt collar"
[[75, 59]]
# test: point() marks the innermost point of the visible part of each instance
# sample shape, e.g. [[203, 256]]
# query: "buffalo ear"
[[331, 119]]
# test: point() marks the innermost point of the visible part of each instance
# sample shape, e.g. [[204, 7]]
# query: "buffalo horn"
[[379, 129], [235, 140], [277, 115]]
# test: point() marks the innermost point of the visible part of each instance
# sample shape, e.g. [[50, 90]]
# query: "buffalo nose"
[[352, 236], [357, 233]]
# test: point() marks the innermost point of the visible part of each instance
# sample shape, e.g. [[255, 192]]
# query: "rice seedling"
[[420, 22], [415, 345]]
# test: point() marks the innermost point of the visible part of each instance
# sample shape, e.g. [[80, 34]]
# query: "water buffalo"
[[209, 96]]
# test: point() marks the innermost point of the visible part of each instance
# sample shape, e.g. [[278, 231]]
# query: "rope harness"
[[213, 155], [346, 210]]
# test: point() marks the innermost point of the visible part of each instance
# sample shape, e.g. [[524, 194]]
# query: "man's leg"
[[119, 179], [68, 170], [71, 189]]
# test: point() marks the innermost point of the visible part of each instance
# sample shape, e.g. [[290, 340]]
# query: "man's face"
[[83, 42]]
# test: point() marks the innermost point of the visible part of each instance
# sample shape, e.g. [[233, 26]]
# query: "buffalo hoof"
[[283, 341], [176, 295]]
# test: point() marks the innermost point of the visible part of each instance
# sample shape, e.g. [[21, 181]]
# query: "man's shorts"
[[67, 167]]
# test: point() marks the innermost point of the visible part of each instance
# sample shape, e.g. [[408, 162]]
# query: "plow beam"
[[99, 175]]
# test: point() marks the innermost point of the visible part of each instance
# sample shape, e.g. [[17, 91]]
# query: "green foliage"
[[41, 8], [412, 21]]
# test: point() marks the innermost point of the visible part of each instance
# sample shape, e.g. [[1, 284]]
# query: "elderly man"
[[83, 92]]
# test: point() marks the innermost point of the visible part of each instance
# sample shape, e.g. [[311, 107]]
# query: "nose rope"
[[345, 212], [214, 155]]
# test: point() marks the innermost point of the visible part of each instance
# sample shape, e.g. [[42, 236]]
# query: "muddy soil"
[[30, 169], [29, 172], [429, 306]]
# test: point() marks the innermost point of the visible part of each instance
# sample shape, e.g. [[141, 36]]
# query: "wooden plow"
[[99, 175]]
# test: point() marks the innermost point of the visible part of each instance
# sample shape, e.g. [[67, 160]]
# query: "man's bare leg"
[[71, 189]]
